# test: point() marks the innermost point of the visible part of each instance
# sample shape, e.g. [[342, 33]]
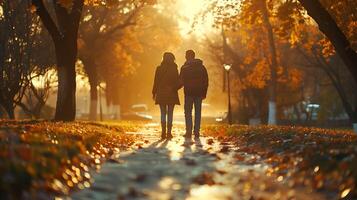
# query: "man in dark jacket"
[[194, 78]]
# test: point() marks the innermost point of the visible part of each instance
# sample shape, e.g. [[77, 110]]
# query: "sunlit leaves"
[[327, 48], [55, 157], [345, 14], [259, 76], [317, 158]]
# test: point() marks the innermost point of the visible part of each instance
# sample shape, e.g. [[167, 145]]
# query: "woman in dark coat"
[[165, 91]]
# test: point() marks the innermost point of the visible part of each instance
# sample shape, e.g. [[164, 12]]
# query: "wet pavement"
[[187, 169]]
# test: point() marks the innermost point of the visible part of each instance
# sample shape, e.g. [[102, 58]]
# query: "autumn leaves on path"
[[186, 169]]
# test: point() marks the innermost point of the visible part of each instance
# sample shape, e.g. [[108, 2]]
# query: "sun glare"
[[188, 12]]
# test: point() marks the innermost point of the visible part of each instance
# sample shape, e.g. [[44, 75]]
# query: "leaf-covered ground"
[[181, 168], [41, 157], [264, 162], [324, 160]]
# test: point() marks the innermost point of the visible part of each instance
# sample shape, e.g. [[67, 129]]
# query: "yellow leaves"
[[259, 75], [308, 156], [292, 79], [294, 38], [57, 156], [327, 48]]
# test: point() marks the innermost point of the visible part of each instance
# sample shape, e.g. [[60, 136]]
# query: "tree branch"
[[76, 14], [47, 20], [126, 23], [329, 27]]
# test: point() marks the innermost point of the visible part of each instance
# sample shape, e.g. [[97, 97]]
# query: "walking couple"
[[193, 77]]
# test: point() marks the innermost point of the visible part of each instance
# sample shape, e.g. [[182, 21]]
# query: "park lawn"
[[324, 160], [41, 158]]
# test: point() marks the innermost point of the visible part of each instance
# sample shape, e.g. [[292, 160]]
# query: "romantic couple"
[[194, 78]]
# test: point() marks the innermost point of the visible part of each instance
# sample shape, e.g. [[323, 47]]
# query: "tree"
[[139, 51], [273, 63], [102, 25], [314, 52], [262, 61], [329, 27], [64, 34], [15, 47]]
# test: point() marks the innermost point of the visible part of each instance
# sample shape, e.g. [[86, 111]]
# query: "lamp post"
[[100, 102], [228, 69]]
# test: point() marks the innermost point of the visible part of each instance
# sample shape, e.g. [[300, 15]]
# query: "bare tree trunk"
[[66, 95], [64, 34], [273, 67]]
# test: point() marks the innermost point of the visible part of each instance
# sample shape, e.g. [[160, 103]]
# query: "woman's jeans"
[[189, 103], [166, 111]]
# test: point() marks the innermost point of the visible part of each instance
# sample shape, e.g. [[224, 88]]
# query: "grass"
[[39, 158], [322, 159]]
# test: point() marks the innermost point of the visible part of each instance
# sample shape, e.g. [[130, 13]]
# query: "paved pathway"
[[184, 169]]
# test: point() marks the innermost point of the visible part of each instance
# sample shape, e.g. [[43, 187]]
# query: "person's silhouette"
[[166, 85], [194, 78]]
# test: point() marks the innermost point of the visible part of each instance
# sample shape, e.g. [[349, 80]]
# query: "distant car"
[[223, 118], [137, 112], [211, 115]]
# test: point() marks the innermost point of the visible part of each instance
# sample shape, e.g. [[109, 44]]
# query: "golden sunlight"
[[188, 12], [1, 12]]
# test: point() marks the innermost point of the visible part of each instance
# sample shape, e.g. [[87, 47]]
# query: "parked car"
[[222, 118], [137, 112]]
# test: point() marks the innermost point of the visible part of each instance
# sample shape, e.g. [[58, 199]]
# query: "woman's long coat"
[[166, 84]]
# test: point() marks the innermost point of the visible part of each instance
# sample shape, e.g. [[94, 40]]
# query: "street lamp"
[[228, 69]]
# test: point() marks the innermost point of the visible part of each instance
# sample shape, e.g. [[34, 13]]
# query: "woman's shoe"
[[169, 135]]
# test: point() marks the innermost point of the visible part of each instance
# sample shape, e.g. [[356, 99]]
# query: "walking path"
[[183, 169]]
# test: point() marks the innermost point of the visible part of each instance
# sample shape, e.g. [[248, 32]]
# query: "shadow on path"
[[186, 169], [163, 169]]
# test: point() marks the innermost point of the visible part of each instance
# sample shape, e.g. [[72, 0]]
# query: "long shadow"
[[164, 144], [152, 172], [155, 144]]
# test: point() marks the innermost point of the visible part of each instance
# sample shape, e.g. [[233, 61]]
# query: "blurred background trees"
[[305, 66], [288, 67]]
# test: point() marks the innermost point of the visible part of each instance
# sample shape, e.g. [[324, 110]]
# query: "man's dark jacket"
[[194, 78]]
